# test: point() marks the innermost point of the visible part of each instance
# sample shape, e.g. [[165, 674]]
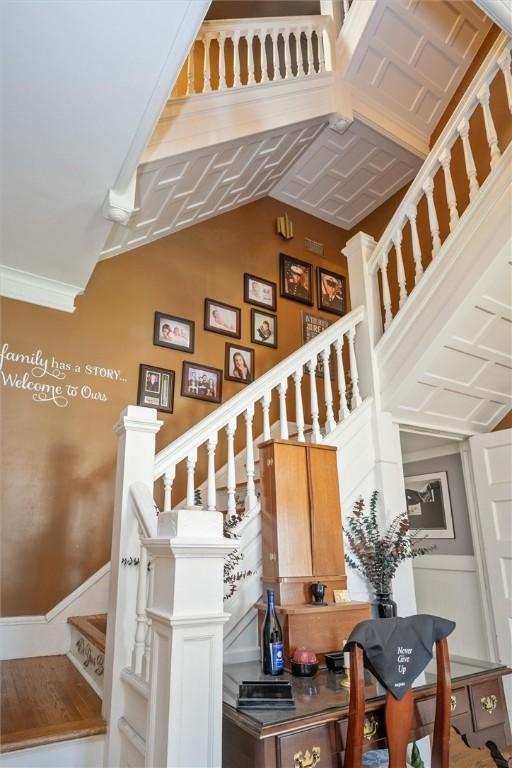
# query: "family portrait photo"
[[239, 364], [296, 279], [156, 388], [331, 292], [263, 328], [260, 292], [428, 505], [201, 382], [222, 318], [174, 332]]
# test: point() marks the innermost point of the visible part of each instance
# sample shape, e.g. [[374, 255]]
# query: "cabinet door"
[[292, 509], [268, 513], [326, 535]]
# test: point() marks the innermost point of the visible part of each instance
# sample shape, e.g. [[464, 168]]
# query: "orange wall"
[[58, 462], [505, 423]]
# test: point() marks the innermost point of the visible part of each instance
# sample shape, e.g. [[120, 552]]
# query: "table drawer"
[[488, 704], [374, 731], [426, 708], [308, 748]]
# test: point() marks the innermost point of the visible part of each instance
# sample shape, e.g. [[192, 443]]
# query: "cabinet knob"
[[270, 462], [272, 556]]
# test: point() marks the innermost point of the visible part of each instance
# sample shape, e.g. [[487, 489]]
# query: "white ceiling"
[[342, 178]]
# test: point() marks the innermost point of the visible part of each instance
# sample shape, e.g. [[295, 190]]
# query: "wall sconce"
[[284, 227]]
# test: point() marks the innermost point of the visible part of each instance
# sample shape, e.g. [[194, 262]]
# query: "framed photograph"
[[296, 279], [201, 382], [156, 388], [428, 505], [239, 365], [312, 325], [341, 596], [260, 292], [263, 328], [332, 292], [222, 318], [174, 332]]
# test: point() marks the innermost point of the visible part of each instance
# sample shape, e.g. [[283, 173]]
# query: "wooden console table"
[[318, 726]]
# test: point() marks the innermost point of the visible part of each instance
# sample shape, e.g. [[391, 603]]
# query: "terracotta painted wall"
[[58, 462]]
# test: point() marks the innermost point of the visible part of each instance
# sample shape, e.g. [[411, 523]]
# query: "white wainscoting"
[[79, 753], [26, 636], [447, 585]]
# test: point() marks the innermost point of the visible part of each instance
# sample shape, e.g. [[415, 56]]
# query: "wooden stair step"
[[93, 627], [45, 700]]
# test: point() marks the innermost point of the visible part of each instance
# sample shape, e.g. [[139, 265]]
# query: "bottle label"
[[277, 656]]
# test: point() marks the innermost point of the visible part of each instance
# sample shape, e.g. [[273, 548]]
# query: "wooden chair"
[[398, 715]]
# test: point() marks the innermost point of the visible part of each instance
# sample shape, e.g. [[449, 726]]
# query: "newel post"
[[184, 725], [364, 289], [136, 431]]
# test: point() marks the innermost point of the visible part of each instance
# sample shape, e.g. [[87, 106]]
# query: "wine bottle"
[[272, 649]]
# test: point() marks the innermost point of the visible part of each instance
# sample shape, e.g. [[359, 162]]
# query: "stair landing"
[[46, 700]]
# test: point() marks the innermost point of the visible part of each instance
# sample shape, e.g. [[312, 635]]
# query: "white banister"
[[316, 435], [424, 187], [299, 408]]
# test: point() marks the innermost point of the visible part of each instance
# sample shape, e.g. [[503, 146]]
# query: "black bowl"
[[304, 670], [335, 661]]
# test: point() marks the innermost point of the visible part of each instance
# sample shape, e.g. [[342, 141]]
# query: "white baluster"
[[296, 37], [287, 57], [168, 481], [311, 55], [397, 241], [211, 490], [416, 248], [354, 375], [445, 160], [316, 435], [283, 417], [191, 465], [490, 130], [250, 498], [302, 52], [276, 73], [250, 58], [346, 6], [146, 661], [207, 86], [231, 474], [344, 410], [504, 65], [191, 67], [463, 129], [428, 189], [299, 409], [330, 421], [264, 59], [140, 629], [321, 54], [221, 37], [236, 60], [386, 295], [265, 405]]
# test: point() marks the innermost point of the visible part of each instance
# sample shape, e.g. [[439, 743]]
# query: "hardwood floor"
[[44, 700]]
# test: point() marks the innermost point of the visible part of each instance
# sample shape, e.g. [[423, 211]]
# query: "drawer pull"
[[453, 703], [307, 759], [370, 727], [489, 703], [270, 462]]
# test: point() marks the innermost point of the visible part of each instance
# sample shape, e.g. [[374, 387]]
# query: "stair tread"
[[93, 627], [45, 700]]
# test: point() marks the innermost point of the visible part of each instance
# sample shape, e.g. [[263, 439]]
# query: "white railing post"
[[316, 435], [400, 270], [140, 612], [265, 405], [207, 86], [330, 421], [445, 159], [136, 432], [250, 497], [231, 469], [184, 722], [354, 373], [191, 465], [412, 213], [463, 129], [211, 491], [364, 289], [168, 483], [283, 417], [344, 410], [504, 65], [492, 138], [299, 408], [428, 188]]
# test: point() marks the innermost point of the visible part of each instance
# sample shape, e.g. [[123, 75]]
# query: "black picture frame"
[[199, 389], [296, 279], [258, 334], [158, 392], [223, 325], [331, 299], [176, 327], [229, 367], [250, 297]]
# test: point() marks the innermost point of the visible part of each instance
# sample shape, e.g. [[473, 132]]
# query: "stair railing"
[[426, 186], [234, 53], [327, 350]]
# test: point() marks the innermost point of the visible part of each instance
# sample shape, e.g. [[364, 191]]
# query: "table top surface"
[[322, 692]]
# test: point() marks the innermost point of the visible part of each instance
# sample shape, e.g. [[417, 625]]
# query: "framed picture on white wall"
[[428, 505]]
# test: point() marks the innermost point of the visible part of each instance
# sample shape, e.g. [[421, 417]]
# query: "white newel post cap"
[[135, 418], [190, 524], [360, 243]]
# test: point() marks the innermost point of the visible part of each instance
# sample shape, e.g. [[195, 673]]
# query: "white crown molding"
[[431, 453], [34, 289], [500, 11]]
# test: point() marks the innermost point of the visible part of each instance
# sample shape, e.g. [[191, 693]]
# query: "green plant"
[[374, 555], [416, 761], [232, 573]]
